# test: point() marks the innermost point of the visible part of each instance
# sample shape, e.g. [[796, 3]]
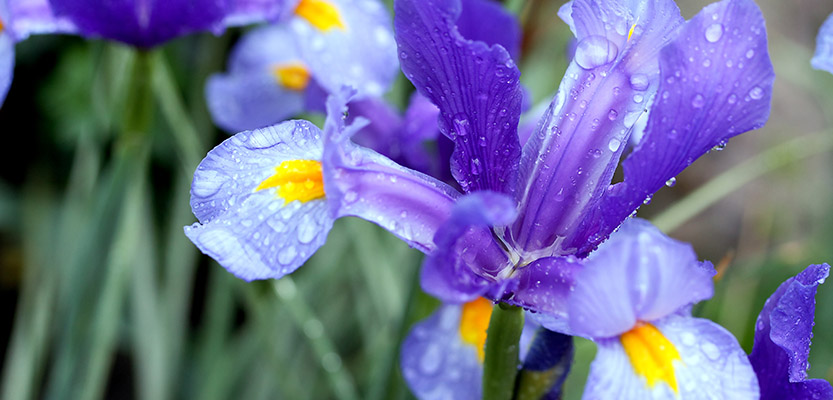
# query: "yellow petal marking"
[[321, 14], [296, 180], [474, 322], [630, 32], [1, 26], [293, 75], [651, 354]]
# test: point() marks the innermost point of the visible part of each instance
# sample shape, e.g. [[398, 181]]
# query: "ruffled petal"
[[475, 87], [716, 83], [569, 161], [365, 184], [782, 339], [6, 65], [712, 365], [250, 231], [823, 59], [468, 258], [639, 274], [362, 55]]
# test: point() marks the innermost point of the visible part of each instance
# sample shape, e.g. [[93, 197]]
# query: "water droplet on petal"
[[698, 101], [614, 144], [612, 115], [639, 82], [750, 53], [756, 93], [594, 51], [671, 182], [714, 32]]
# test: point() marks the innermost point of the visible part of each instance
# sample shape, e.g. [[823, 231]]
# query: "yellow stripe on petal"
[[474, 322], [296, 180], [1, 26], [321, 14], [651, 354], [293, 76]]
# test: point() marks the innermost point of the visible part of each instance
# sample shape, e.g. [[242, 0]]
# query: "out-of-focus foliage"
[[105, 297]]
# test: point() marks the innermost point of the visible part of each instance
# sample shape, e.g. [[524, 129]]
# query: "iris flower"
[[280, 70], [530, 208], [823, 59], [148, 23], [18, 20]]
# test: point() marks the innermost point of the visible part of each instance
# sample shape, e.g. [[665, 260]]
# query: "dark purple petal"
[[26, 17], [639, 274], [490, 23], [475, 87], [6, 65], [547, 364], [419, 125], [365, 184], [469, 259], [823, 59], [782, 339], [544, 287], [712, 366], [381, 133], [716, 83], [570, 159], [141, 23], [256, 234]]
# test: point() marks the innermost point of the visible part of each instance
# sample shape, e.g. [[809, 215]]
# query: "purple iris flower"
[[18, 20], [148, 23], [782, 339], [823, 59], [280, 70], [529, 208]]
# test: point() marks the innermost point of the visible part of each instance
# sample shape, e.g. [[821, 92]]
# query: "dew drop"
[[756, 93], [595, 51], [612, 115], [639, 82], [671, 182], [733, 98], [714, 32], [614, 144], [750, 53], [698, 101]]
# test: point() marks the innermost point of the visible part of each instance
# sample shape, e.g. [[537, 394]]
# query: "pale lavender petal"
[[468, 258], [716, 83], [823, 59], [6, 65], [362, 183], [639, 274], [251, 100], [250, 232], [712, 366], [244, 12], [29, 17], [569, 160], [490, 23], [782, 339], [475, 87], [363, 55]]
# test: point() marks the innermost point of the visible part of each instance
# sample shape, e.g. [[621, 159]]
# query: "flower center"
[[474, 322], [651, 354], [293, 75], [320, 13], [296, 180]]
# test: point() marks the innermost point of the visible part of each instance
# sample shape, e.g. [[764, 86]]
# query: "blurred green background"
[[104, 297]]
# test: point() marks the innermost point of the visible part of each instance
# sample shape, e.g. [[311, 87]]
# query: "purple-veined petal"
[[362, 183], [488, 22], [251, 232], [712, 366], [823, 59], [362, 55], [419, 125], [26, 17], [544, 287], [6, 65], [250, 101], [569, 160], [716, 83], [468, 258], [782, 339], [639, 274], [475, 87], [141, 23]]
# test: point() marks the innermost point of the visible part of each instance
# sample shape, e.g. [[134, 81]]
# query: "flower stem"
[[502, 346]]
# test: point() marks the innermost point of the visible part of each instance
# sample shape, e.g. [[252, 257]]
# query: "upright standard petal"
[[570, 160], [639, 274], [359, 51], [490, 23], [475, 87], [823, 59], [716, 83], [260, 200], [782, 339], [6, 64], [365, 184]]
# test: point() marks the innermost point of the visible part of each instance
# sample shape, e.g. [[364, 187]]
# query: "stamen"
[[321, 14], [474, 322], [293, 76], [296, 180], [651, 354]]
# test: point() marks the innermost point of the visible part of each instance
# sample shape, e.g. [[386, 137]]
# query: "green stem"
[[502, 346]]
